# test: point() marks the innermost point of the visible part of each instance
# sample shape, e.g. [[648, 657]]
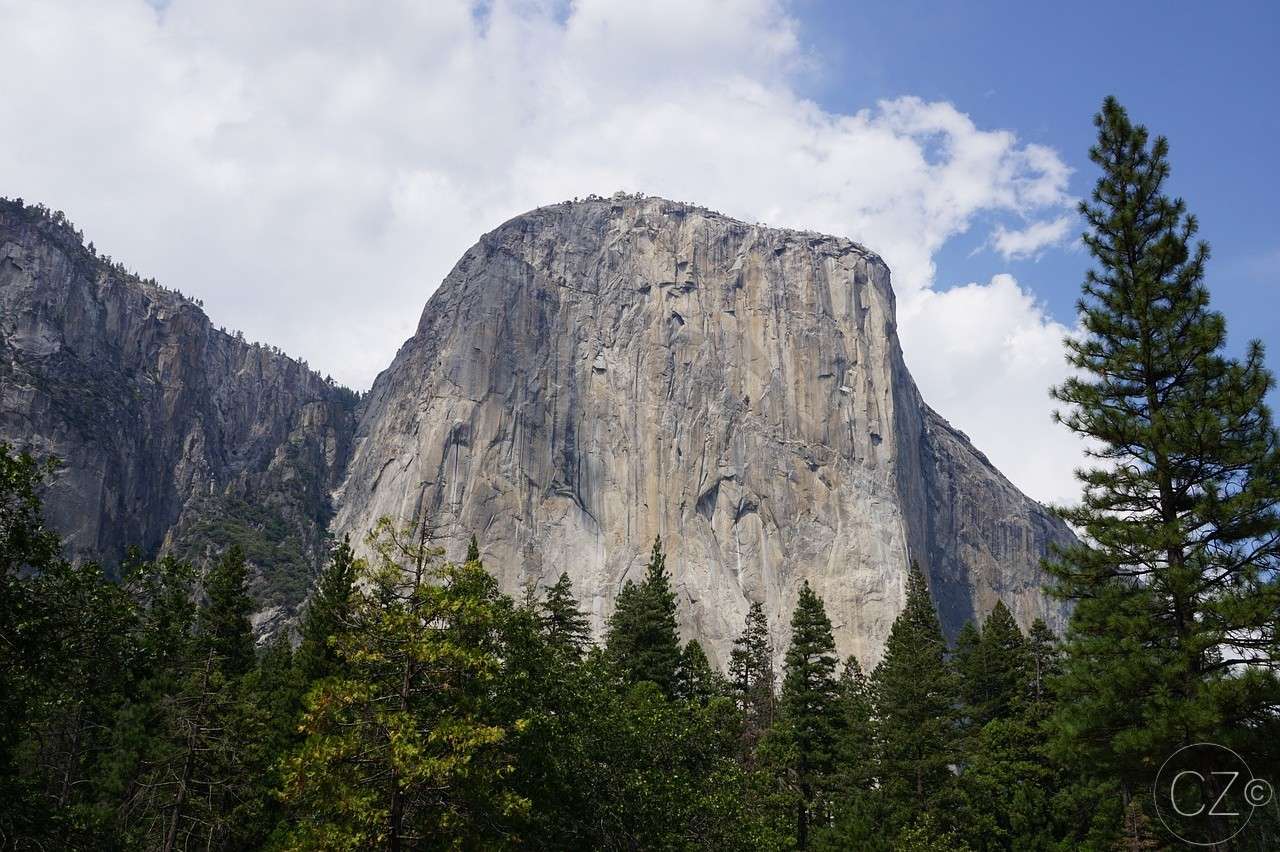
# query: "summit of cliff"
[[594, 373]]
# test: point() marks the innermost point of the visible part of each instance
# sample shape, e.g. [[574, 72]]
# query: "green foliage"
[[264, 535], [1173, 638], [696, 680], [751, 674], [991, 666], [564, 623], [855, 745], [1043, 666], [643, 640], [224, 620], [915, 698], [400, 748], [924, 835], [810, 708], [25, 546], [327, 614]]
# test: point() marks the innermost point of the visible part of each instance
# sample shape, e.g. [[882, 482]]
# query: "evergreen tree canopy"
[[563, 622], [696, 680], [810, 703], [643, 639], [751, 673], [401, 749], [967, 663], [1174, 634], [855, 746], [992, 667], [1044, 663], [327, 614], [224, 620], [25, 545], [915, 699]]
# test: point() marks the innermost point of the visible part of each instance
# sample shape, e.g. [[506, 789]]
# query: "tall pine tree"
[[224, 620], [563, 622], [328, 613], [915, 697], [402, 749], [643, 639], [1174, 633], [751, 674], [992, 669], [811, 707]]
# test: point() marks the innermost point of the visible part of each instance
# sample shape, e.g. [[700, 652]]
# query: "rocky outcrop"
[[174, 436], [593, 374]]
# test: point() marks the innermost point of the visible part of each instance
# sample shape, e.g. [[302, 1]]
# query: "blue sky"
[[1207, 76]]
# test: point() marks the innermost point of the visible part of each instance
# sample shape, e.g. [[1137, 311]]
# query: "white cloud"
[[989, 353], [1033, 239], [312, 173]]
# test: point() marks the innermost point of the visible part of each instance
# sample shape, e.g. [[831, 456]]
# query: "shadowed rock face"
[[174, 436], [593, 374]]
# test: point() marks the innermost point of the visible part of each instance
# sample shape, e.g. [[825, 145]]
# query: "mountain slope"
[[175, 436], [592, 374]]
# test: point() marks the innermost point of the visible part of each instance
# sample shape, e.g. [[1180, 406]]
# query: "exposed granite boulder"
[[174, 436], [592, 374]]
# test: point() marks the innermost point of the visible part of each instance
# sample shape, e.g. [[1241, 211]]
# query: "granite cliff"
[[174, 436], [589, 375], [593, 374]]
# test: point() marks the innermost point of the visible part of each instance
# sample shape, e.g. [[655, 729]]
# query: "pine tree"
[[564, 624], [810, 706], [473, 550], [181, 762], [402, 749], [856, 745], [224, 620], [265, 721], [969, 666], [26, 546], [696, 680], [79, 656], [1137, 834], [915, 698], [925, 835], [1173, 637], [643, 639], [328, 613], [993, 678], [751, 674], [1044, 663]]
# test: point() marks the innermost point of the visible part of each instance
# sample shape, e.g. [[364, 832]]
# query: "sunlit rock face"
[[593, 374]]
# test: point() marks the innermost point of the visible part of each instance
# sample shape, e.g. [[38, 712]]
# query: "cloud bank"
[[313, 171]]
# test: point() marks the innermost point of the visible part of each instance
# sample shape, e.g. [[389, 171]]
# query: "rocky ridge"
[[589, 375], [593, 374], [174, 436]]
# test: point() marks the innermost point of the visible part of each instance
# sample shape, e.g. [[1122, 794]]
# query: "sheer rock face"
[[174, 436], [593, 374]]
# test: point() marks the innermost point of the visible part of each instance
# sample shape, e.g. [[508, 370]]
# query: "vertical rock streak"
[[594, 373]]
